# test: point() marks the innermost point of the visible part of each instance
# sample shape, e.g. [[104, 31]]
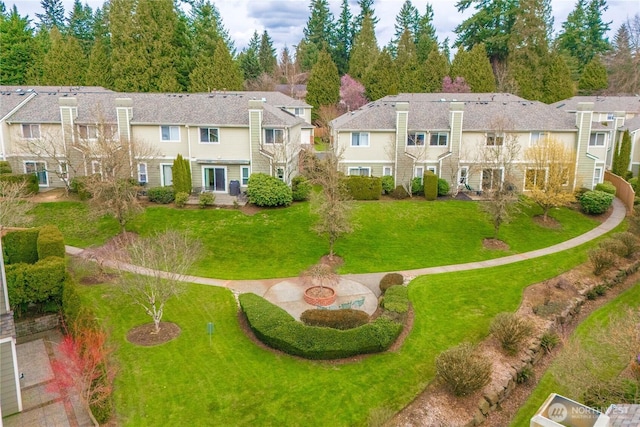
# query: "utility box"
[[559, 411], [234, 188]]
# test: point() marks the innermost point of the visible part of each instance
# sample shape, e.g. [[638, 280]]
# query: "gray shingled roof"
[[430, 111], [602, 104], [632, 124]]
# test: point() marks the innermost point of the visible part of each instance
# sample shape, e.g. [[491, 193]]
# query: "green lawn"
[[548, 384], [234, 382]]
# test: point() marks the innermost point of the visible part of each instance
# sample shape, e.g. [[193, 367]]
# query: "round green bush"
[[443, 187], [417, 189], [337, 319], [267, 191], [596, 202], [181, 199], [463, 370], [399, 193], [300, 188], [389, 280], [607, 187], [206, 199], [5, 167], [162, 195], [387, 184]]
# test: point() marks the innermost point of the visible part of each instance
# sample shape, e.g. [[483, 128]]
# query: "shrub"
[[206, 199], [580, 192], [37, 283], [50, 242], [364, 187], [390, 279], [181, 199], [462, 370], [162, 195], [266, 190], [387, 183], [417, 189], [525, 375], [596, 202], [300, 188], [399, 193], [630, 242], [549, 341], [276, 328], [181, 175], [396, 299], [596, 291], [430, 185], [71, 303], [21, 246], [634, 183], [336, 319], [607, 187], [615, 247], [78, 185], [511, 331], [5, 167], [601, 259], [443, 187], [29, 179]]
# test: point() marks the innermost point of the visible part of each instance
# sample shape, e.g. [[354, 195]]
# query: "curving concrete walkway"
[[371, 280]]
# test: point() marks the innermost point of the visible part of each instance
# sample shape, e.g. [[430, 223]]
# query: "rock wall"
[[37, 325]]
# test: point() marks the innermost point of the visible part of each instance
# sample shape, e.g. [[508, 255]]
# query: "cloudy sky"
[[285, 19]]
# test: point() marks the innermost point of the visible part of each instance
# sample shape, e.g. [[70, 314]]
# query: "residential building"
[[407, 134], [57, 134]]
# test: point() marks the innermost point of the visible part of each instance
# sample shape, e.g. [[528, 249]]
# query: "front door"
[[215, 179], [40, 170]]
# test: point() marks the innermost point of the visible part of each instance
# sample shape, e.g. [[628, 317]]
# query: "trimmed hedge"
[[387, 183], [389, 280], [5, 167], [162, 195], [37, 283], [399, 193], [443, 187], [31, 181], [300, 188], [607, 187], [430, 185], [50, 242], [268, 191], [276, 328], [596, 202], [21, 246], [181, 199], [417, 189], [364, 187], [396, 299], [337, 319]]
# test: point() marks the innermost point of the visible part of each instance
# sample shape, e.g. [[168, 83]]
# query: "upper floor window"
[[359, 139], [88, 131], [439, 139], [610, 116], [416, 139], [298, 111], [209, 135], [273, 136], [536, 137], [597, 139], [30, 131], [495, 138], [170, 133]]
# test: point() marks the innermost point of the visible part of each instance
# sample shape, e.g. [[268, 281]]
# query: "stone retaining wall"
[[37, 325]]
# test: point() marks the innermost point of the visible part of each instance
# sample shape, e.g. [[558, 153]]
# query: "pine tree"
[[64, 64], [227, 74], [344, 38], [407, 19], [53, 15], [425, 37], [381, 79], [324, 84], [557, 80], [436, 68], [593, 78], [306, 55], [366, 8], [622, 155], [364, 52], [410, 77], [181, 175], [624, 64], [248, 59], [41, 44], [206, 27], [99, 69], [267, 54], [475, 68], [318, 32], [80, 25], [16, 38]]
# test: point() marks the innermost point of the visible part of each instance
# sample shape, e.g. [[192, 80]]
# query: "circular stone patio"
[[288, 295]]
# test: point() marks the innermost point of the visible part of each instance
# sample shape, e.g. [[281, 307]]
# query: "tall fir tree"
[[475, 68], [366, 8], [622, 155], [407, 19], [365, 50], [248, 59], [318, 32], [227, 74], [16, 39], [81, 24], [344, 38], [381, 79], [53, 15], [323, 87], [99, 68], [41, 44], [557, 80], [286, 68], [425, 37], [410, 77], [267, 54], [206, 28], [64, 64], [593, 78], [624, 62], [306, 55], [436, 68]]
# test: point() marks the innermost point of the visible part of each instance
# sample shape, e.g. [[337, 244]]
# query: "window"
[[495, 139], [534, 178], [597, 176], [386, 171], [88, 131], [298, 111], [359, 139], [273, 136], [433, 169], [209, 135], [63, 170], [439, 139], [39, 169], [597, 139], [463, 175], [359, 171], [142, 173], [610, 117], [280, 173], [96, 167], [245, 172], [166, 178], [536, 137], [31, 131], [416, 139], [418, 172], [170, 133], [491, 178]]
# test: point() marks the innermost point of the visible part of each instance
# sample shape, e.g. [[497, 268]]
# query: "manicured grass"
[[234, 382], [548, 384], [387, 236]]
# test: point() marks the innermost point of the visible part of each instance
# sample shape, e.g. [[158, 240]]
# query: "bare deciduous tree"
[[166, 258], [14, 209]]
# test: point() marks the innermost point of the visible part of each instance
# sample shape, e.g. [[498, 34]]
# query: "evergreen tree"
[[366, 8], [306, 55], [407, 19], [53, 15], [319, 31], [40, 44], [622, 155], [99, 69], [435, 69], [249, 61], [381, 78], [425, 37], [410, 78], [624, 64], [557, 80], [181, 175], [364, 52], [287, 69], [206, 27], [227, 74], [594, 77], [475, 68], [267, 54], [80, 25], [344, 38], [324, 84], [203, 74], [64, 64], [183, 42], [16, 38]]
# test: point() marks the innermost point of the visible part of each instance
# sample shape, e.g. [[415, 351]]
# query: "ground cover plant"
[[232, 381]]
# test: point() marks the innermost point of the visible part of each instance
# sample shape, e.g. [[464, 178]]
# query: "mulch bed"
[[495, 245], [550, 223], [144, 335]]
